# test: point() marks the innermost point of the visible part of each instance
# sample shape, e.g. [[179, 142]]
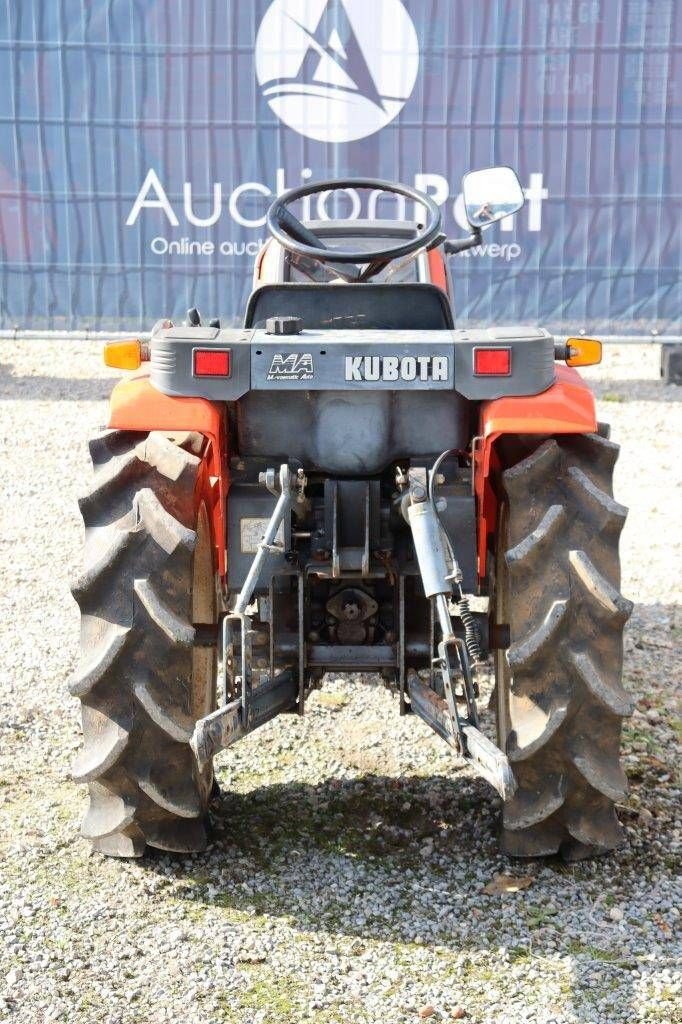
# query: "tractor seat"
[[390, 307]]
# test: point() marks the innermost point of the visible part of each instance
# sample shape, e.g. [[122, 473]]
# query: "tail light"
[[211, 362], [492, 362]]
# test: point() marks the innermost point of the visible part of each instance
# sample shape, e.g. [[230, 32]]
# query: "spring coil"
[[472, 639]]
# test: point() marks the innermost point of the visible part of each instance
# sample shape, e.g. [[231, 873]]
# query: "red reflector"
[[495, 362], [211, 362]]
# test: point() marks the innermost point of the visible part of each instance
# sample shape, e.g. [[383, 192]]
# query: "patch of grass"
[[267, 823], [538, 917], [261, 905], [676, 726], [612, 396], [659, 1014], [270, 995], [520, 955], [280, 998], [605, 956]]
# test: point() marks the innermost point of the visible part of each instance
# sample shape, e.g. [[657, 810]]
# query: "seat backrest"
[[391, 307]]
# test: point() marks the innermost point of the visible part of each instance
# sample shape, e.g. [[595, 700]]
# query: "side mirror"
[[490, 195]]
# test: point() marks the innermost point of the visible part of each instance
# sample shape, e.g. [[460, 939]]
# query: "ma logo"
[[337, 70], [296, 366]]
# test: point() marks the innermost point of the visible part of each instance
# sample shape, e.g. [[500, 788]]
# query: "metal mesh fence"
[[582, 97]]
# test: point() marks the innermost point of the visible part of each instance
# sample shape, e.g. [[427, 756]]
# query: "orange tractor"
[[349, 483]]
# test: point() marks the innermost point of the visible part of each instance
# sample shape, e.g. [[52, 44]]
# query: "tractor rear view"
[[351, 484]]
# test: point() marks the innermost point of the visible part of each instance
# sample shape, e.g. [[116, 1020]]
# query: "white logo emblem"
[[337, 70], [395, 368], [295, 366]]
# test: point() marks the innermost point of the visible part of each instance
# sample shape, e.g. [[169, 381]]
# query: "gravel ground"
[[345, 879]]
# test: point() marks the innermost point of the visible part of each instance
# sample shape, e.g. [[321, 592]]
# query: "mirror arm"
[[455, 245], [440, 239]]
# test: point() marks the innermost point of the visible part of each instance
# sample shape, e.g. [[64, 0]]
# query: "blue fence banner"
[[141, 144]]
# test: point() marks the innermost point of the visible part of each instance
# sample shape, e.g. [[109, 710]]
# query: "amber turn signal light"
[[583, 352], [123, 355]]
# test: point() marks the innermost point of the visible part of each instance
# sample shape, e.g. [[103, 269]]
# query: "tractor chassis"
[[244, 707]]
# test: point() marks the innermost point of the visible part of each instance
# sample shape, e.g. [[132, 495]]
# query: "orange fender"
[[136, 405], [567, 407], [437, 271]]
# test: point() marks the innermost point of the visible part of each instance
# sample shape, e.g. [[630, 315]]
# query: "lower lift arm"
[[242, 708], [459, 726]]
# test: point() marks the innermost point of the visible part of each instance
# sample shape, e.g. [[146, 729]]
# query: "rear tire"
[[149, 577], [560, 699]]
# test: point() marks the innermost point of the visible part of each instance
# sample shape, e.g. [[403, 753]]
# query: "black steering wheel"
[[300, 240]]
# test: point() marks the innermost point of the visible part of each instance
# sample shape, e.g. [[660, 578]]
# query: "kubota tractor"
[[351, 484]]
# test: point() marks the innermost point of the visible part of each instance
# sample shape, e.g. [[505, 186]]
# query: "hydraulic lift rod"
[[460, 728]]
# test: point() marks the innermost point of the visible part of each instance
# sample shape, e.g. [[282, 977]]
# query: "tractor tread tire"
[[137, 648], [563, 697]]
